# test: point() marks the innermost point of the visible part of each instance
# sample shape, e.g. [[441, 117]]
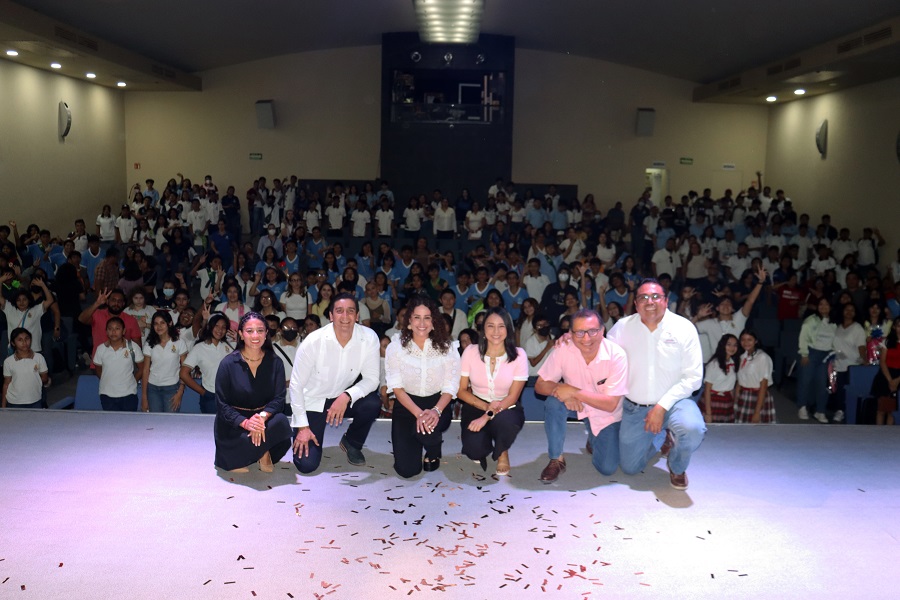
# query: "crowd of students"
[[181, 271]]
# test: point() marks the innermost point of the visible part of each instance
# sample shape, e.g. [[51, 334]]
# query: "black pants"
[[408, 443], [363, 412], [125, 403], [208, 403], [496, 437]]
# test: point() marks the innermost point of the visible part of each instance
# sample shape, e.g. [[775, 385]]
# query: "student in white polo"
[[119, 363]]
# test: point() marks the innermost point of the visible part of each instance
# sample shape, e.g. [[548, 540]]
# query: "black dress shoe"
[[354, 455], [431, 464]]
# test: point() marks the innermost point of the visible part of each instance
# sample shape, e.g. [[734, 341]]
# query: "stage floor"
[[100, 505]]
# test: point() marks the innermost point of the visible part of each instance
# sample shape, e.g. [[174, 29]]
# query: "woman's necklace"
[[251, 359]]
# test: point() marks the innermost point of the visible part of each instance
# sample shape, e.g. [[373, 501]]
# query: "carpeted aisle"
[[101, 505]]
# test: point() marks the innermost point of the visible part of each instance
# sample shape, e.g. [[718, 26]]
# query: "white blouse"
[[721, 381], [754, 368], [421, 371]]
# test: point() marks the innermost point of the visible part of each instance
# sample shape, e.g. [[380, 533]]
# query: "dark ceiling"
[[697, 40]]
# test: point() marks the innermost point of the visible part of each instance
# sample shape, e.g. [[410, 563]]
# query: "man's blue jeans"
[[637, 446], [605, 457]]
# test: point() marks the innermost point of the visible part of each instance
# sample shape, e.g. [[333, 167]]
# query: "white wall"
[[858, 182], [328, 123], [575, 124], [43, 179]]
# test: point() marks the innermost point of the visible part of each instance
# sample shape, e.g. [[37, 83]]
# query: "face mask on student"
[[168, 292], [289, 335], [563, 277]]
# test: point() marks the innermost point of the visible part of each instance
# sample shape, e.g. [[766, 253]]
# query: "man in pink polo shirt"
[[595, 371]]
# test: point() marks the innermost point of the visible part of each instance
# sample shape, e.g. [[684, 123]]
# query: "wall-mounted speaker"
[[646, 119], [65, 120], [822, 138], [265, 114]]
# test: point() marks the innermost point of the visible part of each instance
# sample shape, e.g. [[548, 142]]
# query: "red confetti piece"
[[60, 564]]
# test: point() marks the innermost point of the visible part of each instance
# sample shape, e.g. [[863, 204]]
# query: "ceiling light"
[[442, 21], [90, 75], [799, 91], [55, 65], [771, 99], [121, 84], [12, 53]]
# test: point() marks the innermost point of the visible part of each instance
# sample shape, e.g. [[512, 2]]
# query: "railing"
[[470, 114]]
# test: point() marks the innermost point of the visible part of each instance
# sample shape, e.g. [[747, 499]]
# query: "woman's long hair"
[[440, 333], [153, 337], [206, 334], [720, 356], [512, 352]]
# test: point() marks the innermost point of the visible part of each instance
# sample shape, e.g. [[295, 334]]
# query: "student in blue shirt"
[[514, 295]]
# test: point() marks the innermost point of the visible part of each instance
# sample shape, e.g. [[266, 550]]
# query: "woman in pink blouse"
[[493, 374]]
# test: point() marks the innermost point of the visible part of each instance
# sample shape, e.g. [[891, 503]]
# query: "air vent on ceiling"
[[163, 72], [71, 36], [792, 64], [877, 36], [729, 83], [88, 43], [62, 32], [873, 37]]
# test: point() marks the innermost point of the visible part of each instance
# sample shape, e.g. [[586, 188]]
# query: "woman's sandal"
[[503, 464], [430, 464]]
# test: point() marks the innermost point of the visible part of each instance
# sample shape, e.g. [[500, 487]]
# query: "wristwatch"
[[489, 413], [264, 414]]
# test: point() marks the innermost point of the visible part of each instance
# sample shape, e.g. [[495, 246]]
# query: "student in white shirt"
[[207, 353], [753, 397], [324, 388], [24, 373], [719, 382], [119, 364], [422, 368], [360, 218], [163, 355]]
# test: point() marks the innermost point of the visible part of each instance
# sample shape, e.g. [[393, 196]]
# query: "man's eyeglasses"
[[649, 297], [591, 332]]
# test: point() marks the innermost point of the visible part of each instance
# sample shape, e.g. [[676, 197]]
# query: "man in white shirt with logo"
[[335, 375], [664, 368]]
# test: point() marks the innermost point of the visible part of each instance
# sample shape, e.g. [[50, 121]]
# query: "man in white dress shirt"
[[664, 369], [335, 375]]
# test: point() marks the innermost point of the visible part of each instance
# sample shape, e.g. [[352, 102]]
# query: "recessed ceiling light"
[[121, 84], [55, 66], [799, 91], [771, 99], [12, 53], [90, 75]]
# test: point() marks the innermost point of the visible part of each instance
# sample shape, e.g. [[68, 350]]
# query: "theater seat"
[[87, 393], [859, 385]]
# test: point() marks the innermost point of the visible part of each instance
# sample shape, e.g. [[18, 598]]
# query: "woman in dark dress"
[[250, 425]]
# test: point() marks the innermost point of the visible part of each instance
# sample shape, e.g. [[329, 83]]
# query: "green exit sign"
[[686, 161], [256, 156]]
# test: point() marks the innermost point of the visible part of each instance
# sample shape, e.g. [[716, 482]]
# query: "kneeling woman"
[[246, 432], [497, 371], [422, 368]]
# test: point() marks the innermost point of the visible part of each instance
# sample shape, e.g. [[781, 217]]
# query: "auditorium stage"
[[101, 505]]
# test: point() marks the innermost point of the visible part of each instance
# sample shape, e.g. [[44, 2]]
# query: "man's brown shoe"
[[553, 470], [679, 482]]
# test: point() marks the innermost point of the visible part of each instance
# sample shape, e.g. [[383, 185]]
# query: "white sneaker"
[[803, 414], [820, 417], [838, 416]]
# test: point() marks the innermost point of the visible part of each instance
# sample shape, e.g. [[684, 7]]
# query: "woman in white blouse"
[[163, 355], [205, 356], [422, 369], [475, 221], [719, 382]]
